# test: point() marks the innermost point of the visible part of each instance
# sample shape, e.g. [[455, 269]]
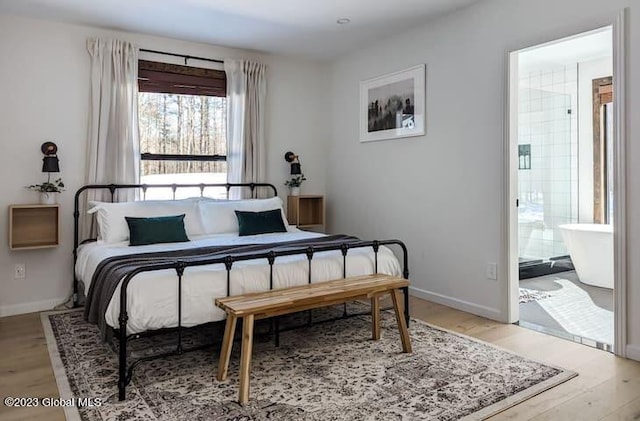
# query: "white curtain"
[[113, 150], [246, 96]]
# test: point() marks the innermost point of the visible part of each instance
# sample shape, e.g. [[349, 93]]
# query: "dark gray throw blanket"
[[112, 270]]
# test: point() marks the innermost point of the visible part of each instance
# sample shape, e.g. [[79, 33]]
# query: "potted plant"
[[294, 184], [48, 190]]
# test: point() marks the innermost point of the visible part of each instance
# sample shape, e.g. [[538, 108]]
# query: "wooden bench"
[[290, 300]]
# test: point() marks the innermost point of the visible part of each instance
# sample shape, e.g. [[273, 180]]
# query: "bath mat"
[[528, 295], [329, 371]]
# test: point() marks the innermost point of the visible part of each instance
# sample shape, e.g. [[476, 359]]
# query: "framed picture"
[[393, 106]]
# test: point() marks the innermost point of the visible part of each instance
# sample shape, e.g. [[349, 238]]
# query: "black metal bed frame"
[[125, 371]]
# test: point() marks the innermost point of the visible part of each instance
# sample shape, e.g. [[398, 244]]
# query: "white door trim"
[[509, 261], [620, 178], [510, 191]]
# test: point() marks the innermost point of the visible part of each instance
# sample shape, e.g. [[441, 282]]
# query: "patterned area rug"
[[329, 371], [528, 295]]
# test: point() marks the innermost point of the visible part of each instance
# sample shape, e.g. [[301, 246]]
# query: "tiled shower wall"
[[548, 190]]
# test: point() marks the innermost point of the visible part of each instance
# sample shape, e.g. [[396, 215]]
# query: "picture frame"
[[393, 106]]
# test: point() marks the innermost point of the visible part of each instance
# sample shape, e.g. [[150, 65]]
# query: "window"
[[183, 127]]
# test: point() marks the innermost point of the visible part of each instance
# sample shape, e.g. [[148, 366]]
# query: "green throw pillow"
[[252, 223], [159, 229]]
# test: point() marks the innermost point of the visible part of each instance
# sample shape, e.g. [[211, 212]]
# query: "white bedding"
[[152, 296]]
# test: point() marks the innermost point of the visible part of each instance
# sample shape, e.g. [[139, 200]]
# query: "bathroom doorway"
[[562, 174]]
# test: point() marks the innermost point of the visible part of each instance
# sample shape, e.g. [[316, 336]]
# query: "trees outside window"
[[183, 126]]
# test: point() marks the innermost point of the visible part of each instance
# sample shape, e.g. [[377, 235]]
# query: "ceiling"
[[305, 28]]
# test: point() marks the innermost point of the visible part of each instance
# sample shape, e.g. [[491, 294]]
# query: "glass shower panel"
[[545, 172]]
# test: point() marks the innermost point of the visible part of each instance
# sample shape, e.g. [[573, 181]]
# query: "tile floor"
[[569, 309]]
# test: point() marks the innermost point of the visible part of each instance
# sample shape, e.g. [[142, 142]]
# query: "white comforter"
[[152, 296]]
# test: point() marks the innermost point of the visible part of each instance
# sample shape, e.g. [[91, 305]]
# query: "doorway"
[[562, 175]]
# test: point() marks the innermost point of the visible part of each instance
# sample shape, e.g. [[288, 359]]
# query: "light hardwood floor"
[[607, 388]]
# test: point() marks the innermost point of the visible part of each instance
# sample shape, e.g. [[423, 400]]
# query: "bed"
[[162, 286], [152, 298]]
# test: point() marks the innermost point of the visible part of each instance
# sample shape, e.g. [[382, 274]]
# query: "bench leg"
[[375, 318], [405, 292], [245, 358], [227, 344], [402, 325]]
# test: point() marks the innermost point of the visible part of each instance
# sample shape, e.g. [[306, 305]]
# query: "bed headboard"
[[143, 188]]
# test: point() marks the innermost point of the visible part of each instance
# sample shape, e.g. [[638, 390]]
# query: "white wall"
[[441, 193], [587, 71], [44, 87]]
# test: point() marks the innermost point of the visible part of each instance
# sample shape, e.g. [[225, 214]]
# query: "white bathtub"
[[591, 250]]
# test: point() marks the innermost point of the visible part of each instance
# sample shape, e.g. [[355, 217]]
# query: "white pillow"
[[218, 216], [113, 228]]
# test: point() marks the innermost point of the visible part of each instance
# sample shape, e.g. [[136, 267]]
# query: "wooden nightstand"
[[34, 226], [306, 212]]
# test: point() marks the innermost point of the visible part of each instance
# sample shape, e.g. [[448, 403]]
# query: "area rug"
[[528, 295], [328, 371]]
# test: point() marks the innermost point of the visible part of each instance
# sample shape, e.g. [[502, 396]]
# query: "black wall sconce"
[[50, 162], [294, 160], [524, 157]]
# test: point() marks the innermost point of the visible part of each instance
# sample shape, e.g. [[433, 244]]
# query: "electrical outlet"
[[492, 271], [19, 271]]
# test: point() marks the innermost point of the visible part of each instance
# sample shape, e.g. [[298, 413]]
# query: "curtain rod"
[[182, 55]]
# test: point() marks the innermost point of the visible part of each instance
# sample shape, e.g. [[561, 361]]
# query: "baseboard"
[[478, 310], [32, 307], [633, 352]]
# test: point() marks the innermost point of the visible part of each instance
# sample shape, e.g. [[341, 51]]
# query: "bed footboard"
[[126, 371]]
